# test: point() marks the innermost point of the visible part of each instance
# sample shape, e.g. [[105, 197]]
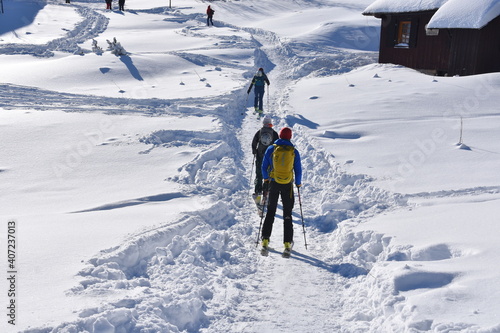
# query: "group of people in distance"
[[121, 7], [121, 4]]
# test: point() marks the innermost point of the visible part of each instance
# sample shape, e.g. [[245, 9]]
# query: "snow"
[[450, 14], [126, 180], [402, 6], [465, 14], [37, 26]]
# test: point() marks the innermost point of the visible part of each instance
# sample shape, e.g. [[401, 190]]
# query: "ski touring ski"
[[258, 113], [264, 251], [262, 204], [258, 199], [287, 253]]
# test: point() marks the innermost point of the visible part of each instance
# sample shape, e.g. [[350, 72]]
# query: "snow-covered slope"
[[126, 180]]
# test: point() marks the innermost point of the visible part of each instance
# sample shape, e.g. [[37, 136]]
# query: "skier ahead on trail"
[[281, 162], [210, 15], [259, 80], [262, 139]]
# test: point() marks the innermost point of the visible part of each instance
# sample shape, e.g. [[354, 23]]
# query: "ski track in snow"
[[92, 24], [203, 273]]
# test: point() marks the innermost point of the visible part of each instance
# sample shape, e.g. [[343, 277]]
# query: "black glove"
[[265, 186]]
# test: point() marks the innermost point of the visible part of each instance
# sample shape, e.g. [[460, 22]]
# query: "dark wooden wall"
[[451, 52], [488, 60]]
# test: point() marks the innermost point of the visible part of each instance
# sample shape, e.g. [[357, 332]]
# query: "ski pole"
[[246, 103], [264, 199], [302, 217], [260, 227], [251, 174], [268, 89]]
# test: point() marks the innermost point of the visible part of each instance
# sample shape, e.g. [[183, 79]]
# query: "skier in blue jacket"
[[281, 181], [259, 81]]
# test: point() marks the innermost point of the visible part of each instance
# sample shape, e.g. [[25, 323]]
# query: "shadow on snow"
[[131, 67], [345, 269], [18, 14], [121, 204]]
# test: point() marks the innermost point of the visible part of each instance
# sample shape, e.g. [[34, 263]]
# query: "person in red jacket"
[[210, 15]]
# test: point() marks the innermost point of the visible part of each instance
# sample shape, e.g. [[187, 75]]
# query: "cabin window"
[[403, 39]]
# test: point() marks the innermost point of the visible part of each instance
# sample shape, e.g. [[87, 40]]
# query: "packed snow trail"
[[203, 273]]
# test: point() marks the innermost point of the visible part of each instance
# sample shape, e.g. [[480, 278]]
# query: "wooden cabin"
[[439, 37]]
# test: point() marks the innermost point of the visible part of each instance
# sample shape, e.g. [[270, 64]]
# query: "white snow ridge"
[[127, 174]]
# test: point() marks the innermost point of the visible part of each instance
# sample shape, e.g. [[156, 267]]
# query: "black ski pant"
[[287, 199], [258, 97], [258, 174]]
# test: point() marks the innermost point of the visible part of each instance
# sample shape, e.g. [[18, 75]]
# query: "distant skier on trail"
[[262, 139], [210, 15], [281, 162], [259, 81]]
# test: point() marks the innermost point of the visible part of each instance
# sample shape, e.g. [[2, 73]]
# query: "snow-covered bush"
[[116, 48], [96, 48]]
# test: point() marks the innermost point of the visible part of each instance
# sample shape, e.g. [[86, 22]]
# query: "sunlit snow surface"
[[129, 178]]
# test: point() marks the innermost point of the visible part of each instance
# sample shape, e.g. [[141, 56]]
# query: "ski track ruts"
[[22, 97], [474, 191]]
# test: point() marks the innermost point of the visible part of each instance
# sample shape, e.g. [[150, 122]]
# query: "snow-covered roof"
[[461, 14], [465, 14], [402, 6]]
